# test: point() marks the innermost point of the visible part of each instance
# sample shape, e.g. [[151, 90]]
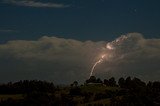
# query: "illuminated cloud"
[[32, 3], [65, 60], [133, 55], [48, 58]]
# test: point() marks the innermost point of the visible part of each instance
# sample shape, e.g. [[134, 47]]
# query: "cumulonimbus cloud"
[[32, 3], [65, 60]]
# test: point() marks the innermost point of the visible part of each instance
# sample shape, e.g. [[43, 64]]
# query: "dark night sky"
[[79, 19], [38, 47]]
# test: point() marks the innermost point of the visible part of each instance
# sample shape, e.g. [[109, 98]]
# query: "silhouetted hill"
[[94, 92]]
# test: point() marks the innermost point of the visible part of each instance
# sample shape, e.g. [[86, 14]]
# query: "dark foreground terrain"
[[94, 92]]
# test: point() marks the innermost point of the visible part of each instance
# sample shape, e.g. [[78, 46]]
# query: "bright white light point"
[[109, 47], [103, 56]]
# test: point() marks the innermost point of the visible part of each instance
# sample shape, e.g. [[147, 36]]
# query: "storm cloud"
[[65, 60]]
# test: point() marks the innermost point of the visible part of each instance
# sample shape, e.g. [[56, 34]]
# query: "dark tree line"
[[133, 92], [26, 86], [130, 92], [109, 82]]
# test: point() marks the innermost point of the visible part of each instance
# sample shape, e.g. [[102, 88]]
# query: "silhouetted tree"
[[138, 82], [106, 82], [99, 80], [128, 82], [75, 83], [112, 81], [121, 82], [92, 79], [149, 84]]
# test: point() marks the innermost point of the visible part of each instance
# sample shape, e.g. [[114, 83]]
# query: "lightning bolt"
[[96, 63]]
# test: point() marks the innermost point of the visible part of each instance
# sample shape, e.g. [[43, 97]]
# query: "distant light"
[[109, 46]]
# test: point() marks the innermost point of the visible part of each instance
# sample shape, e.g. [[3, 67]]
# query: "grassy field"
[[105, 102], [92, 88], [14, 96], [97, 88]]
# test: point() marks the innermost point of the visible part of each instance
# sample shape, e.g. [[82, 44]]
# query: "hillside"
[[94, 92]]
